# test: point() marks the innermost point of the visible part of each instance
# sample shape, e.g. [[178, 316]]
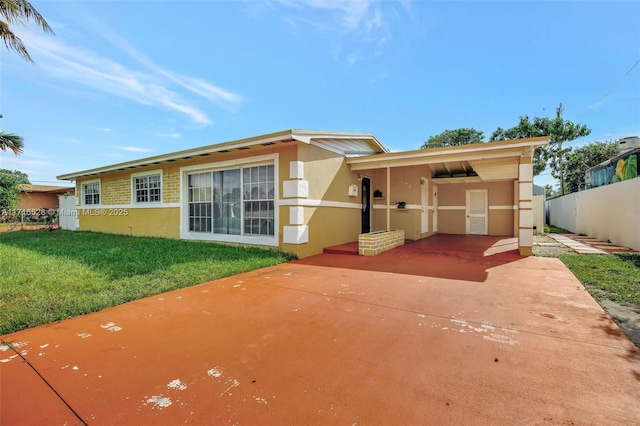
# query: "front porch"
[[470, 245]]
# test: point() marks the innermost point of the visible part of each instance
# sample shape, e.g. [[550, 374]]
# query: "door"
[[477, 211], [424, 201], [366, 204]]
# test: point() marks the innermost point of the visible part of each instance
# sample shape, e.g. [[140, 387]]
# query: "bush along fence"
[[17, 219]]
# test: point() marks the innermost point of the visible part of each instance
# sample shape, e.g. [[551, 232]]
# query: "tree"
[[578, 160], [549, 192], [462, 136], [18, 12], [21, 176], [9, 191], [558, 130], [13, 142]]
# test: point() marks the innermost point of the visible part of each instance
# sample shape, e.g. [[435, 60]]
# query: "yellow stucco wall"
[[329, 177], [150, 222], [328, 174], [327, 227]]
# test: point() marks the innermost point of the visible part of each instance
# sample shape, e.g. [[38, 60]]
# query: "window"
[[233, 202], [91, 192], [147, 188], [258, 200]]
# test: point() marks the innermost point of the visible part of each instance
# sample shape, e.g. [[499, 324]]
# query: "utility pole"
[[561, 159]]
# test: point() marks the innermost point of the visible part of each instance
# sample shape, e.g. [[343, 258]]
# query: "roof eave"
[[452, 150], [303, 136]]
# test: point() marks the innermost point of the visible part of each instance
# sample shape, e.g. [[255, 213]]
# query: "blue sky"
[[122, 80]]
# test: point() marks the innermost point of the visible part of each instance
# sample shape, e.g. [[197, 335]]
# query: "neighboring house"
[[39, 197], [302, 191]]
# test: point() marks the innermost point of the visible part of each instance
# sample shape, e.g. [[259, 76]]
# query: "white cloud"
[[152, 86], [221, 97], [360, 25], [131, 148], [30, 164], [172, 135]]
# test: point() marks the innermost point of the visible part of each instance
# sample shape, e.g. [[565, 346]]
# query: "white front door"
[[424, 198], [477, 211]]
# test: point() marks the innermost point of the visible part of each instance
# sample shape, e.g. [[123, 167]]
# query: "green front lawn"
[[49, 276]]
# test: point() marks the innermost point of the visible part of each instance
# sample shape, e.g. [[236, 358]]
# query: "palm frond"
[[19, 11], [14, 142], [13, 42]]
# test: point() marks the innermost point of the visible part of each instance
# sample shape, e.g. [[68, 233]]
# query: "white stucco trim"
[[304, 202], [131, 206], [295, 188], [525, 172], [452, 207], [295, 234], [395, 207], [526, 191], [296, 215], [269, 241], [503, 207], [526, 218], [296, 170]]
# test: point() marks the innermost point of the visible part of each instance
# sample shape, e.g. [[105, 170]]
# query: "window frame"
[[83, 193], [134, 195], [239, 164]]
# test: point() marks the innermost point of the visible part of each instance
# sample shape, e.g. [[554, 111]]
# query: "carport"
[[479, 189]]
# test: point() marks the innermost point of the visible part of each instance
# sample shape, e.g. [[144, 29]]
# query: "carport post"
[[388, 198]]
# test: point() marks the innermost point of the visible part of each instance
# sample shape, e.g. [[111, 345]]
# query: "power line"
[[610, 90]]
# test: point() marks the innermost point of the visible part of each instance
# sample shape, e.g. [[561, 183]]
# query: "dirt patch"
[[627, 317], [545, 246]]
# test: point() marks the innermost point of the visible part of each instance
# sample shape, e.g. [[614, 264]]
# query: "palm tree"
[[17, 12], [14, 142]]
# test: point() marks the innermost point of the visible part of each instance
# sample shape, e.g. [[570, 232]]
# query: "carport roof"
[[468, 163]]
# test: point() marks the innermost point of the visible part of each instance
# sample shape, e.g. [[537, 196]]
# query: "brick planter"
[[374, 243]]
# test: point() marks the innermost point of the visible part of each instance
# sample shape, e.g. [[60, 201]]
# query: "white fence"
[[67, 213], [608, 213]]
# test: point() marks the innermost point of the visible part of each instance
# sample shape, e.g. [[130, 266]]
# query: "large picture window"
[[91, 193], [233, 202]]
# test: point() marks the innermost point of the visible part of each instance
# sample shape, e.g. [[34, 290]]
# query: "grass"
[[615, 277], [552, 229], [50, 276]]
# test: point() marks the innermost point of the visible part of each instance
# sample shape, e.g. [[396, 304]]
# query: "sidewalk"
[[587, 245]]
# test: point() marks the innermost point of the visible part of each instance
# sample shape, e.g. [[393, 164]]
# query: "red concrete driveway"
[[473, 335]]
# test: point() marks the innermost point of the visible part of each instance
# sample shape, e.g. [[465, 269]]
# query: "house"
[[41, 197], [301, 191]]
